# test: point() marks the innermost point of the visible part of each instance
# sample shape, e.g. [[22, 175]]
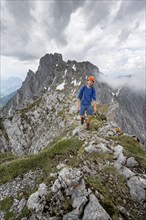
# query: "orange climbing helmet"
[[91, 78]]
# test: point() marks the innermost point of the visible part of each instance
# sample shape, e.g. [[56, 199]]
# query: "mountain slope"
[[51, 167], [97, 173], [6, 98], [10, 85], [128, 111]]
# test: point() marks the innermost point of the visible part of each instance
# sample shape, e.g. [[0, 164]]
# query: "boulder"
[[131, 162], [36, 201], [137, 186]]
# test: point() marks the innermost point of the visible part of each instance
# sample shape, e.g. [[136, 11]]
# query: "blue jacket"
[[86, 95]]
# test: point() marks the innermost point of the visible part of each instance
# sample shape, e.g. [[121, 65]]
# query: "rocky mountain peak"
[[52, 72], [49, 59], [30, 74]]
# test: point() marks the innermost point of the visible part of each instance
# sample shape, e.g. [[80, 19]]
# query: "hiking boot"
[[88, 126], [82, 120]]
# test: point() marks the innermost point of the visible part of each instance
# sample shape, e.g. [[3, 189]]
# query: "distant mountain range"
[[8, 89], [6, 98], [10, 85]]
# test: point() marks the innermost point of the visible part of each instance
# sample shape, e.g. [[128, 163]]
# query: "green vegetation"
[[98, 121], [46, 159], [99, 157], [26, 193], [96, 124], [6, 204], [25, 213], [109, 169], [132, 148], [108, 204], [6, 157], [103, 108], [9, 215], [109, 180], [23, 112], [96, 183], [30, 106], [67, 206], [2, 128], [1, 123]]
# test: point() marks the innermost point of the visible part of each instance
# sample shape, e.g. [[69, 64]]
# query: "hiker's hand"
[[78, 109], [94, 109]]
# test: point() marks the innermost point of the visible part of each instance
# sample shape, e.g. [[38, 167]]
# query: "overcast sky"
[[110, 34]]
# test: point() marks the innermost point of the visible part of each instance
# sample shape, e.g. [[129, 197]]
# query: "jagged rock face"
[[128, 112], [34, 127]]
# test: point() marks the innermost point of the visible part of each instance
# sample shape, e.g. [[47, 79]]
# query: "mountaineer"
[[86, 95]]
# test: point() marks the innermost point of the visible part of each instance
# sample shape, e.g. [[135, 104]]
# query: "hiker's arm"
[[94, 101], [80, 93], [94, 106], [79, 97], [78, 103]]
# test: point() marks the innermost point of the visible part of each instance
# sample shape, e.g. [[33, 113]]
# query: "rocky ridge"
[[58, 170], [98, 173]]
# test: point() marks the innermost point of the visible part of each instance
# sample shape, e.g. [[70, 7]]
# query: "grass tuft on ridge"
[[132, 149], [45, 160]]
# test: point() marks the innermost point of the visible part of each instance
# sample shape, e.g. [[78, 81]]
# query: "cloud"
[[16, 25], [61, 13], [34, 24], [136, 82], [108, 34], [128, 10], [17, 68], [100, 16]]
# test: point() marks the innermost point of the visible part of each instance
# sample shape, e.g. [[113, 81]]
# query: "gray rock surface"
[[13, 188], [37, 202], [128, 111], [136, 184], [131, 162], [84, 203], [94, 210], [137, 187]]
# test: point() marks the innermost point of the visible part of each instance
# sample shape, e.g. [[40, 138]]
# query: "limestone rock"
[[36, 201], [131, 162], [84, 203], [137, 187], [94, 210]]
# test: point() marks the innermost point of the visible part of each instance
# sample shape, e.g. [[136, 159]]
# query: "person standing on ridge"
[[86, 95]]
